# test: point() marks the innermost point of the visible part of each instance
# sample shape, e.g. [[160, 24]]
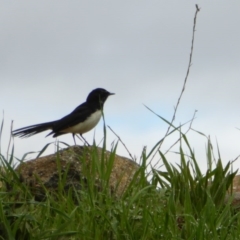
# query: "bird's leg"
[[84, 139], [74, 138]]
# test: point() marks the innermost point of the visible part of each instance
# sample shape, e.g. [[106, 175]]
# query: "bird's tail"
[[32, 130]]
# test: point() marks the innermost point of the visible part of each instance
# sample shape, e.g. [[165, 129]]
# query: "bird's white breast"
[[87, 125]]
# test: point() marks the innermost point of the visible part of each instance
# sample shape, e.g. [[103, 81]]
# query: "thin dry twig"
[[122, 143], [189, 128], [234, 160], [185, 80]]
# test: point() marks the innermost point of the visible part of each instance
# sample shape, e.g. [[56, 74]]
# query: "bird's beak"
[[111, 93]]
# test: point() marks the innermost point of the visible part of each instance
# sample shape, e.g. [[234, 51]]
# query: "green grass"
[[179, 202]]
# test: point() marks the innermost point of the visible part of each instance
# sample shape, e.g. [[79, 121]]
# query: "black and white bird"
[[81, 120]]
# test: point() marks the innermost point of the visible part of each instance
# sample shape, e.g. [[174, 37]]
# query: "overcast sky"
[[53, 53]]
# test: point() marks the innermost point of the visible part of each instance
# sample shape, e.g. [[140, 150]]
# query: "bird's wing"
[[79, 114]]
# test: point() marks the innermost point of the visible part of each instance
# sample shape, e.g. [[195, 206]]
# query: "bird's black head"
[[98, 95]]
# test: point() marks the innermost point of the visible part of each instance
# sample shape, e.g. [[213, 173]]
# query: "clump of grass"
[[180, 202], [196, 200]]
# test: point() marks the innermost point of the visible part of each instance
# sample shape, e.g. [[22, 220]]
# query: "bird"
[[81, 120]]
